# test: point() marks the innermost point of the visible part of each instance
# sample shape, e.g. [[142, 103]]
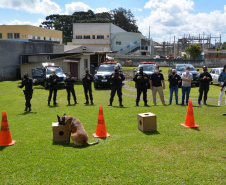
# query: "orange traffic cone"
[[189, 120], [101, 129], [5, 136]]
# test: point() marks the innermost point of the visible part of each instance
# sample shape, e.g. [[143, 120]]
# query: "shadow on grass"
[[53, 106], [213, 106], [27, 112], [152, 132], [120, 107], [2, 147], [63, 143], [195, 128]]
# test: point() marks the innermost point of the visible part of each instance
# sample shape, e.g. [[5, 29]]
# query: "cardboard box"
[[147, 122], [60, 132]]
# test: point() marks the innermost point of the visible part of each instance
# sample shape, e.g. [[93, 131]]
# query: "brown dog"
[[79, 135]]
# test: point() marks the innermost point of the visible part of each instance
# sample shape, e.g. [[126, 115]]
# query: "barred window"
[[86, 36], [100, 36], [118, 43], [16, 35], [9, 35], [78, 36]]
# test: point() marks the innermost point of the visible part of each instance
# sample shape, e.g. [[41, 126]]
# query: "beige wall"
[[27, 31]]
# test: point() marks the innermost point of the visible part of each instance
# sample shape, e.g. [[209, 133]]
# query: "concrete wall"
[[10, 56], [168, 63], [65, 66], [126, 38]]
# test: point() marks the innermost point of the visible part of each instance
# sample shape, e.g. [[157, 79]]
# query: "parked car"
[[215, 72], [160, 56], [42, 74], [170, 57], [102, 76], [182, 68], [148, 68]]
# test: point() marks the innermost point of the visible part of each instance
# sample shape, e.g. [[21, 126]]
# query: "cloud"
[[100, 10], [18, 22], [137, 9], [170, 18], [76, 7], [45, 7]]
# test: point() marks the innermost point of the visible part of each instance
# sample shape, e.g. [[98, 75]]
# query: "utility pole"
[[174, 50]]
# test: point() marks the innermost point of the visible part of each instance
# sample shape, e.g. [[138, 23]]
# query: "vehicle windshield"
[[182, 67], [147, 68], [56, 69], [106, 68]]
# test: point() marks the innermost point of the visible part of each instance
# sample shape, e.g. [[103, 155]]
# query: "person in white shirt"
[[186, 85]]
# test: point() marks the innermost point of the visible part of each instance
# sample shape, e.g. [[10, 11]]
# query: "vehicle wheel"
[[46, 85]]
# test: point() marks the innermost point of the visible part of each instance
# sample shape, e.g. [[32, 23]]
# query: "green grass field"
[[171, 155]]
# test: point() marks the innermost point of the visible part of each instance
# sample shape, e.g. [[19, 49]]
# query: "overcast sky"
[[166, 18]]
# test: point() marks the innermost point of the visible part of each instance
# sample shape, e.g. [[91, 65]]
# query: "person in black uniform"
[[174, 79], [69, 83], [53, 79], [27, 82], [142, 81], [204, 81], [87, 80], [116, 79]]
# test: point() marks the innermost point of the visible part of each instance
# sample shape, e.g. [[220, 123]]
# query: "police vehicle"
[[42, 74], [181, 68], [102, 76], [148, 68]]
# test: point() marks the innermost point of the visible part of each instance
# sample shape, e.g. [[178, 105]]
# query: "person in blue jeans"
[[174, 80], [221, 80], [186, 85]]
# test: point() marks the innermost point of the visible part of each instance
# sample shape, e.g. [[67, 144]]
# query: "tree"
[[124, 19], [194, 50]]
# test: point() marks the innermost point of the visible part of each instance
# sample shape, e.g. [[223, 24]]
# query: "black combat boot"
[[29, 108], [92, 102], [76, 102], [48, 103], [69, 102], [137, 104], [25, 109], [110, 103], [145, 104], [55, 103], [87, 102], [120, 104]]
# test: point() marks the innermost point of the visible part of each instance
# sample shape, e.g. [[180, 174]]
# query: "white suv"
[[215, 72]]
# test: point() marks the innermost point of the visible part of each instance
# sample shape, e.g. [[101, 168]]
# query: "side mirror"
[[197, 69]]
